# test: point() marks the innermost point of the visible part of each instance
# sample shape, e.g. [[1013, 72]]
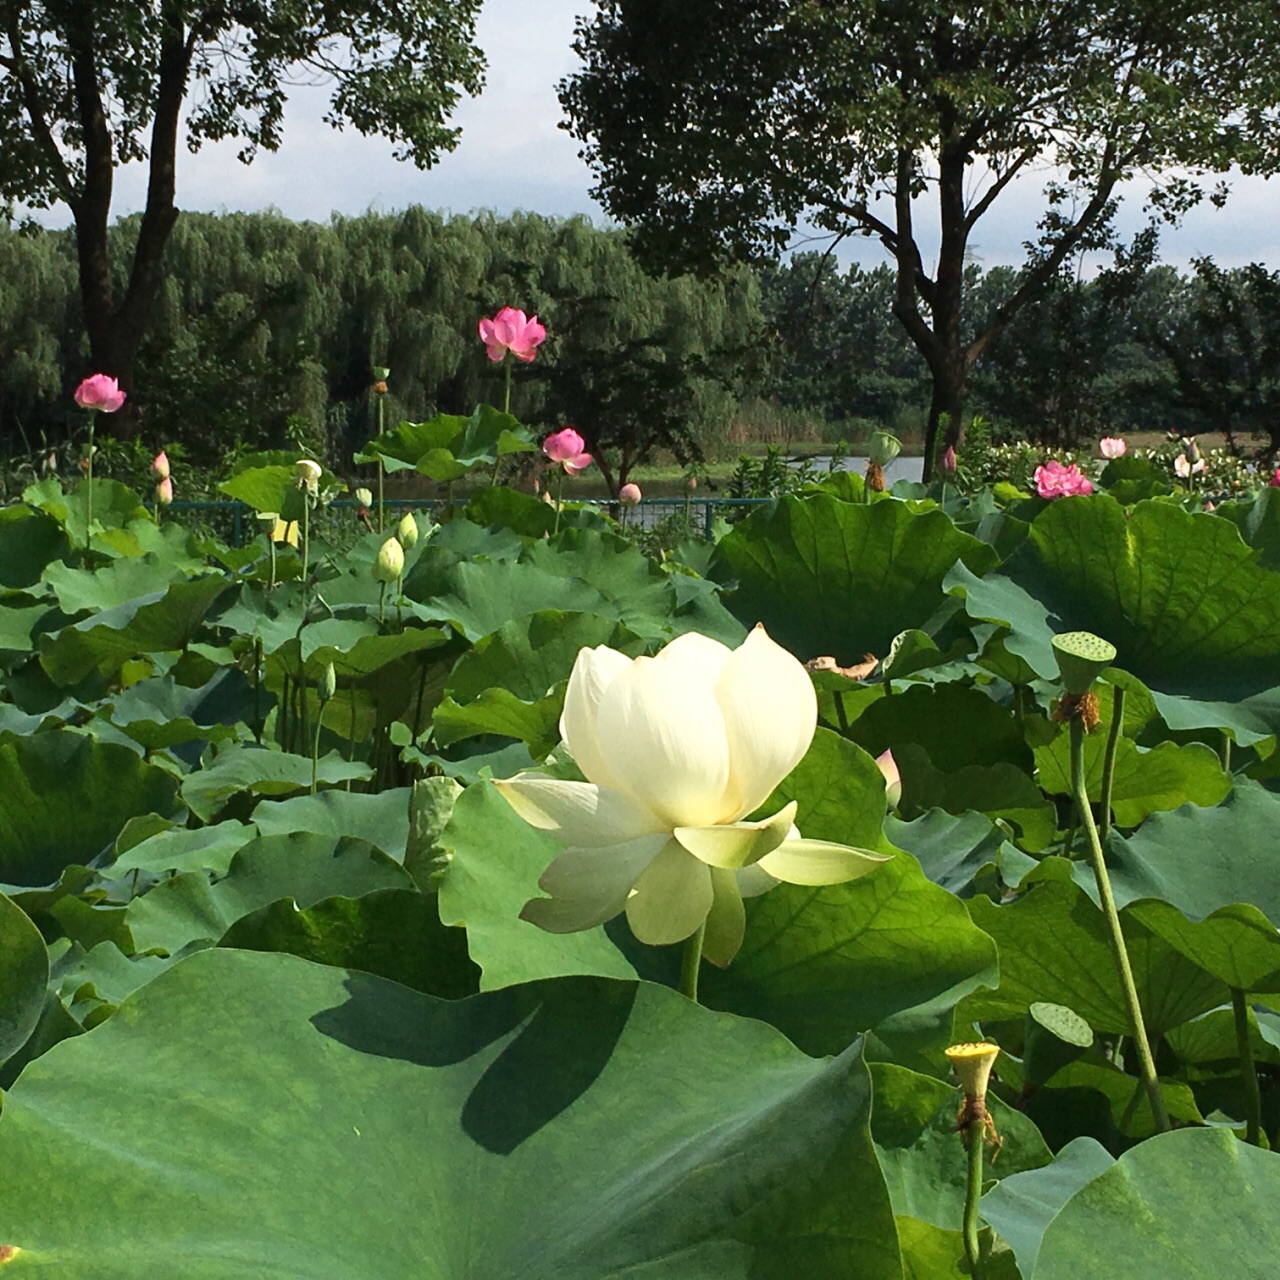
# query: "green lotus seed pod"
[[328, 684], [381, 373], [883, 448], [1082, 658]]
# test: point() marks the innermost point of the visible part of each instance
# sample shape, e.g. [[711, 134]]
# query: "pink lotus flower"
[[567, 448], [892, 778], [1055, 480], [164, 492], [1185, 468], [100, 393], [629, 494], [948, 464], [1274, 482], [1112, 447], [511, 330], [160, 465]]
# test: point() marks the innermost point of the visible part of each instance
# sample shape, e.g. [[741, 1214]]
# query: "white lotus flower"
[[678, 749]]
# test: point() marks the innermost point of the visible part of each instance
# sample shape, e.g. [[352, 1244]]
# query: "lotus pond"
[[288, 990]]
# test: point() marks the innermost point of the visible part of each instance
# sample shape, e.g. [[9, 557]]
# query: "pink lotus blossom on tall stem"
[[567, 448], [511, 330], [1056, 480], [100, 394], [1112, 447]]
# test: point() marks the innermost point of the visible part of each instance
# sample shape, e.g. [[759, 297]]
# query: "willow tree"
[[716, 129], [86, 85]]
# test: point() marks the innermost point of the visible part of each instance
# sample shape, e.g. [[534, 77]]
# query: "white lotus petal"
[[727, 921], [671, 898], [589, 886], [593, 671], [699, 656], [819, 862], [579, 813], [754, 880], [662, 737], [770, 714], [737, 844]]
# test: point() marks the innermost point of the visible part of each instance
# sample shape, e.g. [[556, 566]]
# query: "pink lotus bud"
[[563, 446], [892, 778], [510, 330], [1210, 506], [1274, 482], [629, 494], [160, 465], [1054, 480], [948, 464], [100, 394], [1185, 467], [164, 492], [693, 482], [1190, 449], [1112, 447]]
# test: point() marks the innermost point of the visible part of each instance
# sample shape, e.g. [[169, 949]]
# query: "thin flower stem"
[[1119, 952], [972, 1198], [506, 391], [1225, 754], [1109, 757], [306, 539], [691, 962], [559, 504], [315, 753], [380, 475], [1248, 1069], [88, 516]]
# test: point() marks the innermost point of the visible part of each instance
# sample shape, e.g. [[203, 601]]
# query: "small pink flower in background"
[[892, 778], [693, 482], [164, 492], [160, 465], [1112, 447], [629, 495], [100, 393], [567, 448], [1274, 482], [1185, 468], [1210, 506], [1055, 480], [948, 464], [511, 330]]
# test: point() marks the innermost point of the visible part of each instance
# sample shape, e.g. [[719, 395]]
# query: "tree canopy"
[[86, 85], [716, 130]]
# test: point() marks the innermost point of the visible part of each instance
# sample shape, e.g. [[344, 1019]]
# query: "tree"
[[716, 129], [86, 85]]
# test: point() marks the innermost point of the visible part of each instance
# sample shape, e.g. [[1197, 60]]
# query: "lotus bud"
[[160, 465], [164, 492], [364, 497], [948, 464], [1191, 450], [892, 778], [1273, 483], [629, 495], [328, 685], [407, 532], [883, 448], [390, 562], [308, 474], [1082, 658]]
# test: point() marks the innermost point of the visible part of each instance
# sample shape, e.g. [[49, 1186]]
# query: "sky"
[[513, 156]]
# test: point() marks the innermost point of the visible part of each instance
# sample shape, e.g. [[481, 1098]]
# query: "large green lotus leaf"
[[270, 488], [1258, 521], [1053, 949], [1144, 782], [528, 656], [367, 652], [1001, 791], [303, 866], [381, 818], [111, 585], [1211, 1038], [890, 950], [535, 1102], [160, 712], [490, 433], [954, 850], [1237, 944], [526, 515], [1196, 1204], [261, 772], [114, 506], [496, 860], [29, 540], [17, 626], [408, 441], [1127, 1099], [154, 623], [831, 577], [956, 725], [934, 1253], [913, 1125], [1022, 1206], [24, 975], [1180, 596], [394, 933], [65, 799], [500, 712], [174, 848]]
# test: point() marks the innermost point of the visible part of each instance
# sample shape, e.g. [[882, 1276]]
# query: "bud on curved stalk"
[[883, 447], [328, 685], [389, 565], [407, 532], [973, 1063]]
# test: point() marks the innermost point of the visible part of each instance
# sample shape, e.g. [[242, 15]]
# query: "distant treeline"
[[269, 330]]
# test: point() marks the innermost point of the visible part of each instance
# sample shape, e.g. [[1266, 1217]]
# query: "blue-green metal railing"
[[241, 525]]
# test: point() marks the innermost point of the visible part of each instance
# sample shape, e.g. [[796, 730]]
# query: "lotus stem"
[[1119, 952], [1109, 757], [973, 1063], [380, 470], [1248, 1069], [315, 752], [1225, 754], [559, 504], [972, 1199], [88, 509], [306, 536], [691, 962], [506, 390]]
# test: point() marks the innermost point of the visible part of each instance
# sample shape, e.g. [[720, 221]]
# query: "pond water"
[[901, 468]]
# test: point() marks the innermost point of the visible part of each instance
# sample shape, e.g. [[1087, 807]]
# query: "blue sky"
[[513, 156]]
